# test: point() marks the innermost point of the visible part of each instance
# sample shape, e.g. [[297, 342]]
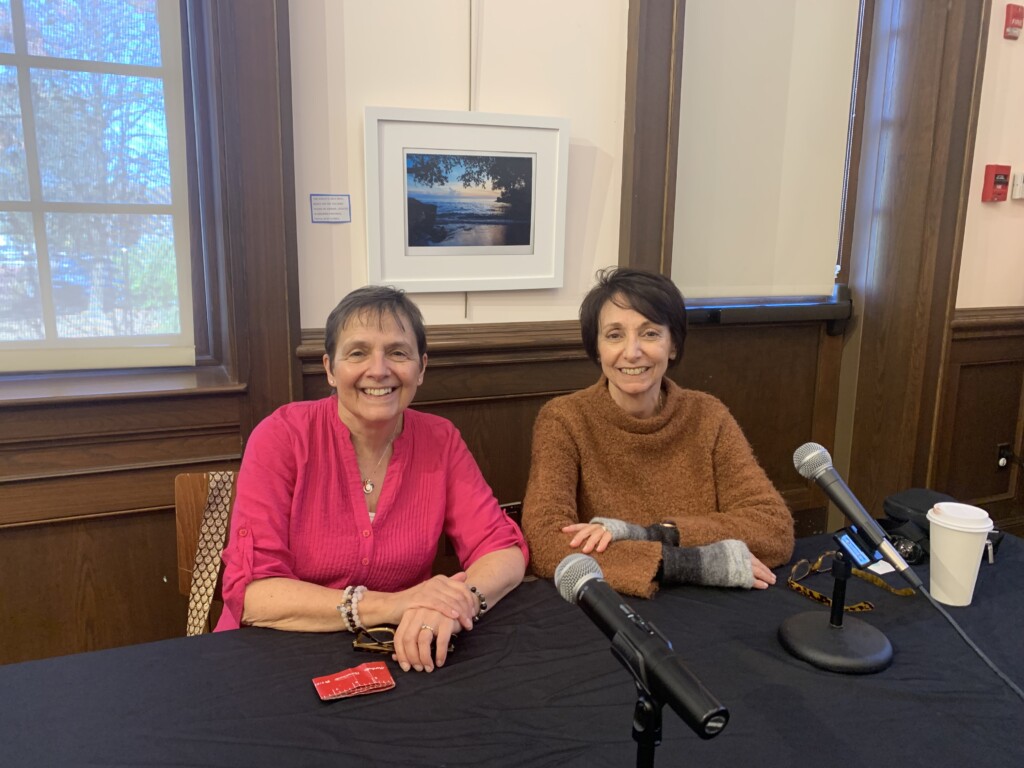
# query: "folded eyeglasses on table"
[[804, 568], [382, 640]]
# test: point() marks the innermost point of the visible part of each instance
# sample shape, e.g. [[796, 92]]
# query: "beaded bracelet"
[[349, 607], [343, 608], [357, 595], [483, 602]]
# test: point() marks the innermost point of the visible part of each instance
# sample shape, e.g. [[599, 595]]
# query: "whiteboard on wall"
[[764, 117]]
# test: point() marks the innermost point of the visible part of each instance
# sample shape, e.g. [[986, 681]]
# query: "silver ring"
[[433, 632]]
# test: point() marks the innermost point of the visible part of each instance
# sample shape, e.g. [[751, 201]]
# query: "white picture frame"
[[504, 230]]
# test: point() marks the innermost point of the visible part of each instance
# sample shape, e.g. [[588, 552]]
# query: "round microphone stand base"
[[853, 648]]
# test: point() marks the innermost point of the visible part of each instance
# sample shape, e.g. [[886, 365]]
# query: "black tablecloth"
[[535, 685]]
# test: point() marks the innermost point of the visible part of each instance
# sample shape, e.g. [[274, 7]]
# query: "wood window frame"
[[241, 204]]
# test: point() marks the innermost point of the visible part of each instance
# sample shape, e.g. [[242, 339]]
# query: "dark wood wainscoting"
[[87, 540], [94, 458], [981, 410], [491, 381], [88, 584]]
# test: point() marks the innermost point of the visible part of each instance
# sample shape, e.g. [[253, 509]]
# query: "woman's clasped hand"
[[436, 611]]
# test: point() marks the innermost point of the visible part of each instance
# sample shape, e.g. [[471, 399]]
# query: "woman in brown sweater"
[[656, 482]]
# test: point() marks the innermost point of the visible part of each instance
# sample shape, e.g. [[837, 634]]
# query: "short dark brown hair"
[[375, 301], [654, 296]]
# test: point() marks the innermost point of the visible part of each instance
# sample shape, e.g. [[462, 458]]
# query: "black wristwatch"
[[670, 532]]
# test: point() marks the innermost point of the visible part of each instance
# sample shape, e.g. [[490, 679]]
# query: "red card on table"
[[370, 677]]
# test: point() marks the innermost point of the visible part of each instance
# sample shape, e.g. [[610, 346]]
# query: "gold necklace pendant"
[[368, 484]]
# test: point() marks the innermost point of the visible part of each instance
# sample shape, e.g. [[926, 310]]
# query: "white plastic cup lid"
[[960, 517]]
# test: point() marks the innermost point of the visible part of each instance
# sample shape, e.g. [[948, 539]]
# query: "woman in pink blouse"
[[340, 502]]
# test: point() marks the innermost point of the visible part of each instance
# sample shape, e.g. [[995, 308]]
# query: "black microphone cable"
[[972, 645]]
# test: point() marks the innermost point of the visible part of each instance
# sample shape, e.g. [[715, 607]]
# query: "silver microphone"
[[813, 462]]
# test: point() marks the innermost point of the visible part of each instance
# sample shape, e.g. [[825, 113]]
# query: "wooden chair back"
[[191, 494]]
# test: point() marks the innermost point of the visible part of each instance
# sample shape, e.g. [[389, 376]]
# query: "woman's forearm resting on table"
[[298, 606], [497, 573], [289, 604]]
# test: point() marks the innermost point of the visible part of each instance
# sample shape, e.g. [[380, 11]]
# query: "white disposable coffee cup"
[[957, 534]]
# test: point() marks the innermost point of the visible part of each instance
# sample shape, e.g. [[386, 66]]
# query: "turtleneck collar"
[[613, 413]]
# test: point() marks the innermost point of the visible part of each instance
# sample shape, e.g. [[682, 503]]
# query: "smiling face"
[[635, 353], [376, 370]]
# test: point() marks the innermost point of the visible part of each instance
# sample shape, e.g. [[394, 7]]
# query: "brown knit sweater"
[[690, 463]]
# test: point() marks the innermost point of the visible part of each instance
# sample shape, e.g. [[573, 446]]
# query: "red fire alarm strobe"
[[997, 182], [1014, 21]]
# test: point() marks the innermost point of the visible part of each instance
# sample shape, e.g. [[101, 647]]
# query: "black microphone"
[[813, 462], [641, 648]]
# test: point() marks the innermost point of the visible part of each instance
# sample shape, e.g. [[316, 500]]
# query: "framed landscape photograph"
[[465, 201]]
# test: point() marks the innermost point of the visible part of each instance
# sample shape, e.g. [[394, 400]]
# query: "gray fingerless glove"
[[722, 564], [623, 531]]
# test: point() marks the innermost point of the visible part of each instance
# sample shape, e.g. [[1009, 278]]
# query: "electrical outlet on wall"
[[1004, 455]]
